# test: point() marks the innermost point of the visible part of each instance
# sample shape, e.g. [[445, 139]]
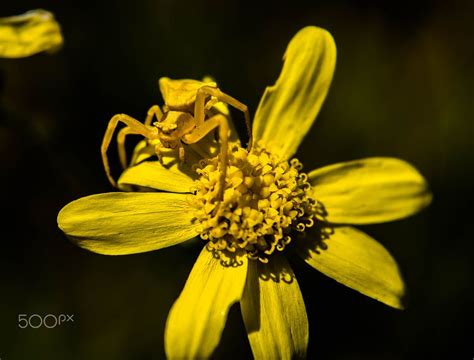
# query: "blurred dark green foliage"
[[403, 87]]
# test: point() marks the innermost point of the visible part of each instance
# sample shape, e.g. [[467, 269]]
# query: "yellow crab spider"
[[182, 121]]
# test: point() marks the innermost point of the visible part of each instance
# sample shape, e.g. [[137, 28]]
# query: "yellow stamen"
[[266, 203]]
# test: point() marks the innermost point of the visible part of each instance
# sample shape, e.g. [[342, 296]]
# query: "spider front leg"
[[121, 145], [133, 127], [199, 107], [205, 128], [154, 111]]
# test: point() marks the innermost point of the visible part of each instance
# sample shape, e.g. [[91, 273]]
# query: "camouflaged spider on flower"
[[185, 119], [269, 209]]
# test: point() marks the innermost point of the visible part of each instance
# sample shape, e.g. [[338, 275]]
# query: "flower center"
[[266, 203]]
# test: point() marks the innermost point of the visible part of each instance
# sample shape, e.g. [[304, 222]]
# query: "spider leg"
[[210, 104], [158, 153], [181, 152], [134, 126], [153, 111], [199, 107], [205, 128], [121, 145]]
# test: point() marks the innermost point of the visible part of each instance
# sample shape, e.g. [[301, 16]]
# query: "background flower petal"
[[197, 318], [28, 34], [354, 259], [127, 223], [370, 190], [274, 312], [151, 174], [288, 108]]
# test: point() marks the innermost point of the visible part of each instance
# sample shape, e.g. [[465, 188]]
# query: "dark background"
[[403, 87]]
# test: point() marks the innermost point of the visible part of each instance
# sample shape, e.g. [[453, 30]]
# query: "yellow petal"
[[28, 34], [197, 318], [288, 108], [274, 312], [371, 190], [151, 174], [354, 259], [127, 223]]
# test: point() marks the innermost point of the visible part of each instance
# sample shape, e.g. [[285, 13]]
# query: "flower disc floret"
[[266, 203]]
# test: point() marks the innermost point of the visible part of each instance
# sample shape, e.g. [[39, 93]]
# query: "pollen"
[[266, 204]]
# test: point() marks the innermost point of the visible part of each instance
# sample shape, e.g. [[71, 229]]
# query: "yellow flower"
[[269, 208], [28, 34]]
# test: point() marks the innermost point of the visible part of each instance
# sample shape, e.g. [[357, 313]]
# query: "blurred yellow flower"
[[269, 208], [28, 34]]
